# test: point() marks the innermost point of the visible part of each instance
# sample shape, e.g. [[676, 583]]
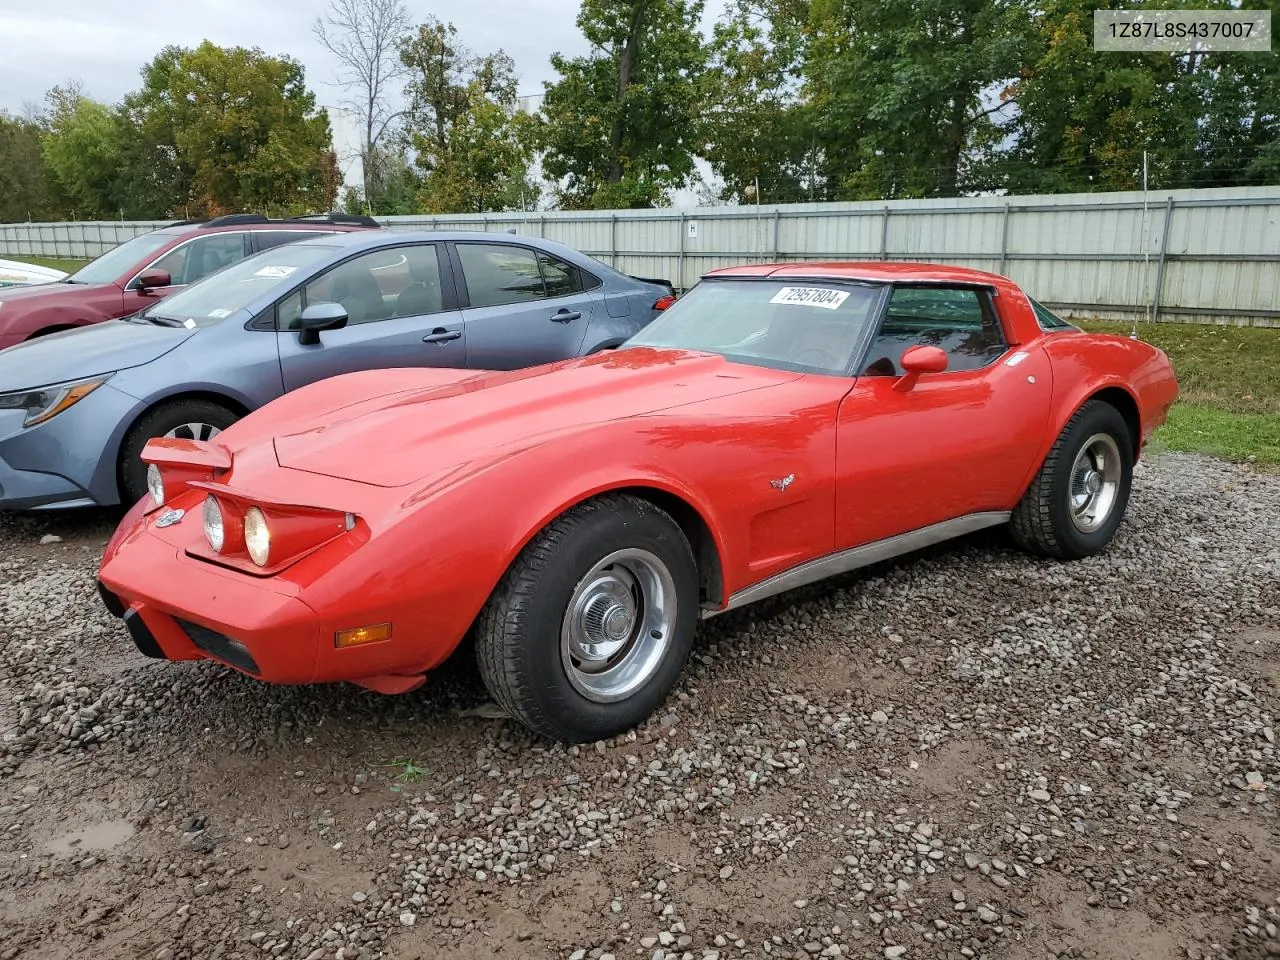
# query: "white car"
[[15, 274]]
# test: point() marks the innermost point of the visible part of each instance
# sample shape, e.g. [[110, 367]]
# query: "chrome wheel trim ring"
[[618, 625], [1095, 482]]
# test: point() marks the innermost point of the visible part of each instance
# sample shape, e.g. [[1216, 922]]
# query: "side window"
[[288, 310], [560, 278], [266, 239], [212, 253], [498, 274], [960, 320], [385, 283]]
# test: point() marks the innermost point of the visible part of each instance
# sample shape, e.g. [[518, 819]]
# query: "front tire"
[[589, 629], [1077, 500], [189, 419]]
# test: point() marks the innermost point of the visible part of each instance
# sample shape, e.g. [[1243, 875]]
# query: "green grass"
[[69, 266], [1229, 388]]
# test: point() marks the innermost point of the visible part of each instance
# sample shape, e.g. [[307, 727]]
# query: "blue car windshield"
[[232, 289], [812, 326]]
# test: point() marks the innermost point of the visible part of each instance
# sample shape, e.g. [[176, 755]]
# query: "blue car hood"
[[85, 352]]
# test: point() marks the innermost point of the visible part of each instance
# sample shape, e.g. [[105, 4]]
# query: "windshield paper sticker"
[[275, 273], [811, 297]]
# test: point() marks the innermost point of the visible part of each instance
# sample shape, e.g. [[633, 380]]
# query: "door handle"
[[566, 316], [441, 335]]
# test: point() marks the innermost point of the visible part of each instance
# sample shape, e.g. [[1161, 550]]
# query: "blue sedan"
[[77, 408]]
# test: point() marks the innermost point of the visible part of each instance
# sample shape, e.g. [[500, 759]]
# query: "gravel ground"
[[969, 753]]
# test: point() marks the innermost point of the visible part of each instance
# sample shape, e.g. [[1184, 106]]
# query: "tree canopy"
[[776, 101]]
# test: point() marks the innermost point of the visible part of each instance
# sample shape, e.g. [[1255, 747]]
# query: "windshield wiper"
[[162, 321]]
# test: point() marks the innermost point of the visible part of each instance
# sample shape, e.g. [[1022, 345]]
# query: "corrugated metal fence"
[[1181, 255]]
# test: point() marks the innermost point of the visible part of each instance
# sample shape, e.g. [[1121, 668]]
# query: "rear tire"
[[1077, 500], [589, 629], [192, 419]]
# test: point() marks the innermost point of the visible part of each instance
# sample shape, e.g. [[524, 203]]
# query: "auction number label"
[[1182, 31], [811, 297]]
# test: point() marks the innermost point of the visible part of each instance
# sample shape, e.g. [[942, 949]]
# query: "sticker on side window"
[[275, 273], [811, 297]]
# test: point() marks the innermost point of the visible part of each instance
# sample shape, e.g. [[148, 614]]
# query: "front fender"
[[455, 537]]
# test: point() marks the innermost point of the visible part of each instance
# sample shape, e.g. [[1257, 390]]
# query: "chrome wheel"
[[618, 625], [193, 431], [1095, 482]]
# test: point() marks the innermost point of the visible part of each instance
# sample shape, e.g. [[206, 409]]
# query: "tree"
[[622, 123], [239, 130], [909, 90], [26, 188], [82, 149], [470, 142], [758, 127], [365, 35]]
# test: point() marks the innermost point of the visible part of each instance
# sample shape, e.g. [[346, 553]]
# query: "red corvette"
[[778, 425]]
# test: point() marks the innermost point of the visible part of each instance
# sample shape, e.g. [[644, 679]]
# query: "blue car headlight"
[[43, 403]]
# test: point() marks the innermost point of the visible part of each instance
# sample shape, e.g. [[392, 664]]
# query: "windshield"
[[233, 288], [806, 325], [118, 261]]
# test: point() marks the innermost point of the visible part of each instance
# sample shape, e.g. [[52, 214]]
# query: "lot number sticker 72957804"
[[811, 297]]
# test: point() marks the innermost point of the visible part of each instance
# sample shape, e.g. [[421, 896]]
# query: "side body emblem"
[[784, 482]]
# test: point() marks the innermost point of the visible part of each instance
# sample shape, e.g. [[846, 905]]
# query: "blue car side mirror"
[[317, 317]]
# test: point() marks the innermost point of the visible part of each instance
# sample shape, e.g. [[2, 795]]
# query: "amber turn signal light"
[[362, 635]]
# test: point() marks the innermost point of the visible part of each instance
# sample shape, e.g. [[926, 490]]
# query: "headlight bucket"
[[215, 530], [155, 484], [257, 536]]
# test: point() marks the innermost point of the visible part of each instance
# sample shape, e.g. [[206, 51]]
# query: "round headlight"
[[257, 536], [155, 484], [213, 529]]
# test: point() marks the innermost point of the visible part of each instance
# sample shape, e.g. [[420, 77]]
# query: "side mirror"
[[149, 279], [317, 317], [918, 360]]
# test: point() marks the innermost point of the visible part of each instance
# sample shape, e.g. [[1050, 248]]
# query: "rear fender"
[[1086, 365]]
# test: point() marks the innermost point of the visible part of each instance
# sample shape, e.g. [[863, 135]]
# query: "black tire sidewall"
[[156, 423], [1098, 418], [615, 527]]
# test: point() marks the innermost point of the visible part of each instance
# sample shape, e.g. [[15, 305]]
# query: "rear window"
[[1050, 321], [805, 325]]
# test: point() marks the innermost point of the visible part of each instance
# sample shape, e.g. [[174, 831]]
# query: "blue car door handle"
[[441, 335], [566, 316]]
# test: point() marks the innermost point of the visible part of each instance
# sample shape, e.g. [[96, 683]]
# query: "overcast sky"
[[105, 43]]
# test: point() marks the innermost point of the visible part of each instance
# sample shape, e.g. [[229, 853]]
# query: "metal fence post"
[[1164, 248], [884, 235], [777, 216], [1004, 239], [613, 240], [680, 262]]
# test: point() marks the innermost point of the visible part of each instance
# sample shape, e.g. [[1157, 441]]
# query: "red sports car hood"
[[404, 436]]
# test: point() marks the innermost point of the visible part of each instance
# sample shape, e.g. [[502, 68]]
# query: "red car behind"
[[133, 275]]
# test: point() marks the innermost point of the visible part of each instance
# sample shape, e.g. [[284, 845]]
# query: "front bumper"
[[209, 613], [177, 607], [70, 459], [32, 489]]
